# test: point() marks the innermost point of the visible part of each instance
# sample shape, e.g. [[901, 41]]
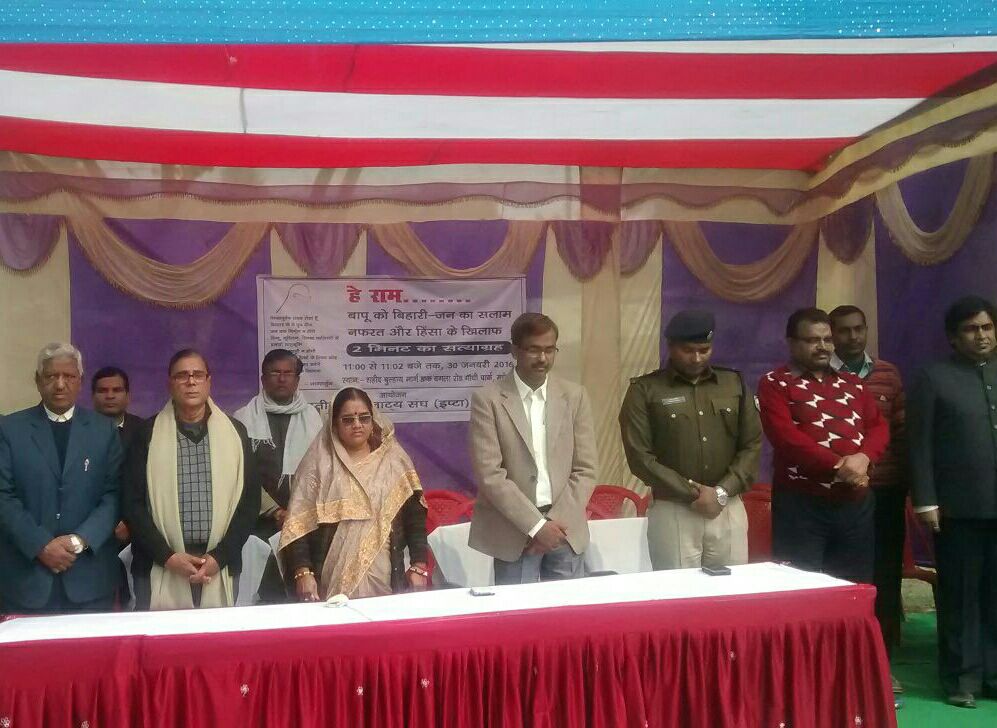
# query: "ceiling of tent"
[[484, 21], [690, 84]]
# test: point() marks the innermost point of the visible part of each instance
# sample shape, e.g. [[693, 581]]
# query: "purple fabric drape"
[[846, 231], [320, 248], [26, 241], [637, 239], [583, 245], [912, 299], [112, 328]]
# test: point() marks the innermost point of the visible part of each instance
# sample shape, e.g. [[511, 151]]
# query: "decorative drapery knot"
[[320, 249], [27, 241], [583, 245], [846, 231]]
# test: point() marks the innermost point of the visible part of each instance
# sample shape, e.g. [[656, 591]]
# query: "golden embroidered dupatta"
[[362, 497]]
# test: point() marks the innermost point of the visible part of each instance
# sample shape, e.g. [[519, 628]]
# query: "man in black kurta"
[[952, 425]]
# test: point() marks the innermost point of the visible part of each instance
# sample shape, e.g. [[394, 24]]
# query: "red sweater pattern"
[[813, 423]]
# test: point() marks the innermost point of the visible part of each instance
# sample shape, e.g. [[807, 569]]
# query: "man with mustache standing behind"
[[826, 432], [889, 481], [534, 455]]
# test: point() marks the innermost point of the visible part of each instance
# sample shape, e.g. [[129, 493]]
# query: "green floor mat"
[[915, 665]]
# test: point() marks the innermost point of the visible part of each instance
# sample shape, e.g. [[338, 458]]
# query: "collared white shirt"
[[837, 364], [535, 407], [64, 417]]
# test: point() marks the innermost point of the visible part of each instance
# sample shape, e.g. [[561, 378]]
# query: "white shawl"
[[304, 426]]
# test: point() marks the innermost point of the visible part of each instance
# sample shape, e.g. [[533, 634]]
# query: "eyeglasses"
[[351, 419], [198, 375], [536, 351]]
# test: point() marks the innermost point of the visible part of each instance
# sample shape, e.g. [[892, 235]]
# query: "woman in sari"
[[356, 503]]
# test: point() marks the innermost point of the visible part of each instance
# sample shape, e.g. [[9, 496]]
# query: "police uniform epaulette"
[[725, 369], [647, 374]]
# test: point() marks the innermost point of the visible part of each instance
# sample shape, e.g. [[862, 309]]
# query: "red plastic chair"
[[444, 508], [758, 504], [607, 502]]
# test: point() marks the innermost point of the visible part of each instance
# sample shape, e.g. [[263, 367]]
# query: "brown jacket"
[[506, 471]]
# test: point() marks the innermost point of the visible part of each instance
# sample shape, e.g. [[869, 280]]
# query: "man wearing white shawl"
[[191, 497], [281, 425]]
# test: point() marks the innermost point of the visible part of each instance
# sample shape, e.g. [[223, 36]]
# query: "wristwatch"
[[721, 496], [77, 542]]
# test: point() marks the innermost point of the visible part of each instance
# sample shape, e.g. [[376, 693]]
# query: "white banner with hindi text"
[[417, 347]]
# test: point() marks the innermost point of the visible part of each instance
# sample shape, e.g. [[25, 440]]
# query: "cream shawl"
[[169, 590]]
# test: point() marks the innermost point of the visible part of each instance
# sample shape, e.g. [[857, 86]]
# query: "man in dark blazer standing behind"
[[534, 454], [952, 426], [59, 468], [111, 392]]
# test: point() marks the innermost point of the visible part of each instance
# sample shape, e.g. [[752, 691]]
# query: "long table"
[[766, 646]]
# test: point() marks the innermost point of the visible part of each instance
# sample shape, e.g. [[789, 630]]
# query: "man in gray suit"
[[534, 454], [58, 497]]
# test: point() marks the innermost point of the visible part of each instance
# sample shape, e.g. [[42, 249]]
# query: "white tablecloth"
[[658, 585], [616, 544]]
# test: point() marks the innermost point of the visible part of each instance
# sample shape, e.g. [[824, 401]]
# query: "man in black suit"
[[59, 468], [111, 394], [952, 424]]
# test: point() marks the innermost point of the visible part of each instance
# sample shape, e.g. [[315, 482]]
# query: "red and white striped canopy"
[[736, 104]]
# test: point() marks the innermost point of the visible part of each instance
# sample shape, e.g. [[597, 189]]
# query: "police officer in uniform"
[[691, 433]]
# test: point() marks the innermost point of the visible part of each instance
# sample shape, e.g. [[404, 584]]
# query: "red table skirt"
[[795, 659]]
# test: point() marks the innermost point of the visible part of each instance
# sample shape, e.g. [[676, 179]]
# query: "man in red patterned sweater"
[[826, 431]]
